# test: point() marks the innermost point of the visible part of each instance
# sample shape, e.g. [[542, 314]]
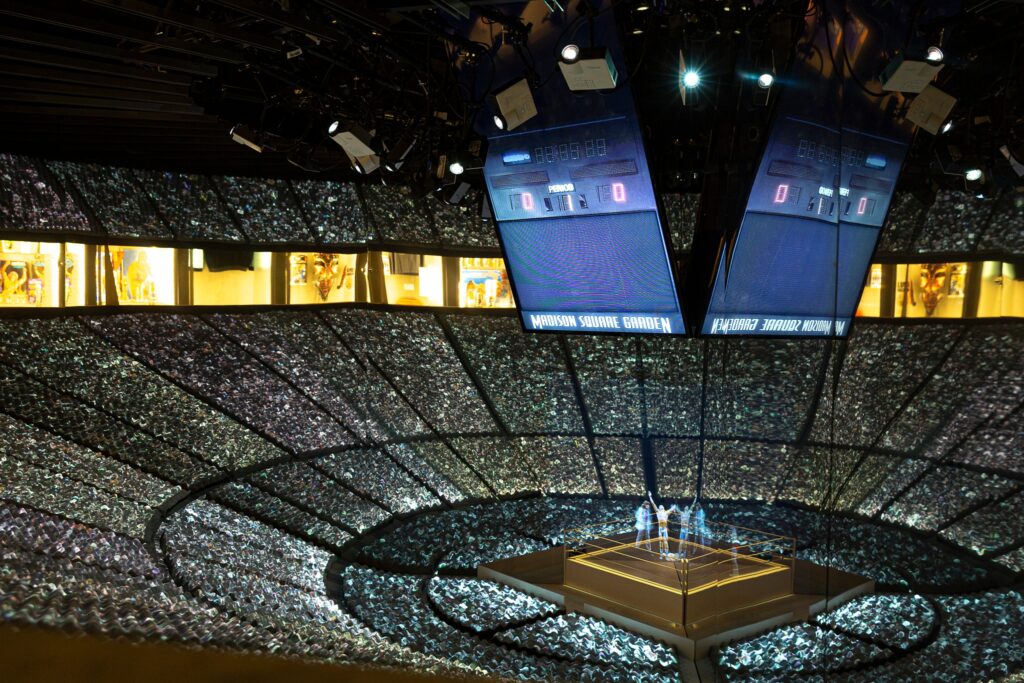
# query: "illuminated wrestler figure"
[[643, 524], [734, 541], [662, 514], [701, 529], [684, 529]]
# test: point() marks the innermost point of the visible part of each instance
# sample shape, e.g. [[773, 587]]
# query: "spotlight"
[[243, 136], [456, 168], [570, 53], [396, 156], [766, 80], [691, 79], [590, 69], [643, 6], [934, 55], [637, 31], [356, 143], [974, 174], [333, 128], [457, 195], [514, 105], [947, 126]]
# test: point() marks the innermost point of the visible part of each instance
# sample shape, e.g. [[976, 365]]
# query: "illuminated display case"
[[483, 283], [142, 276], [319, 277], [29, 273], [413, 279], [35, 274], [230, 286]]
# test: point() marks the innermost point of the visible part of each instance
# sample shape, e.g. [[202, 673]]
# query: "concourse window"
[[1002, 290], [75, 273], [930, 290], [483, 283], [870, 305], [321, 278], [230, 278], [413, 279], [1013, 290], [29, 274], [142, 276]]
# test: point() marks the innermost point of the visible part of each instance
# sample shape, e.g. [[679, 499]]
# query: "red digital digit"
[[618, 192]]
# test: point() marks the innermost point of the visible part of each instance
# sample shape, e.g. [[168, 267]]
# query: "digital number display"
[[796, 263], [582, 239], [572, 195]]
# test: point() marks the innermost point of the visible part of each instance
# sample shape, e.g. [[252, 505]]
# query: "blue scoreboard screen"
[[579, 228], [570, 189], [806, 239], [796, 264]]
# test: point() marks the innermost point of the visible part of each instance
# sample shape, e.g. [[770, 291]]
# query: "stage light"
[[398, 154], [570, 53], [974, 174], [691, 79], [591, 68], [333, 128], [456, 168], [457, 195], [643, 7], [637, 31], [766, 80], [513, 105], [358, 147], [947, 126], [243, 136], [934, 55]]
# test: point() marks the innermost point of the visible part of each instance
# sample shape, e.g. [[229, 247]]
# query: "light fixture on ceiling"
[[934, 55], [570, 53]]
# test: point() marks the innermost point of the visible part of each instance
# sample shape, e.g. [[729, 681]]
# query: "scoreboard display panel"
[[570, 188], [812, 220], [579, 227], [796, 264]]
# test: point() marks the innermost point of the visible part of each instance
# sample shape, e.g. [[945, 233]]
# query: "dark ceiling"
[[160, 84]]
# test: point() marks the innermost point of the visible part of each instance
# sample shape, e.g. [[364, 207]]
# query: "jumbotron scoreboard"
[[571, 192], [797, 264], [578, 223]]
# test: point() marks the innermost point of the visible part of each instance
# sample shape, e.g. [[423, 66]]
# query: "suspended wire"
[[835, 341]]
